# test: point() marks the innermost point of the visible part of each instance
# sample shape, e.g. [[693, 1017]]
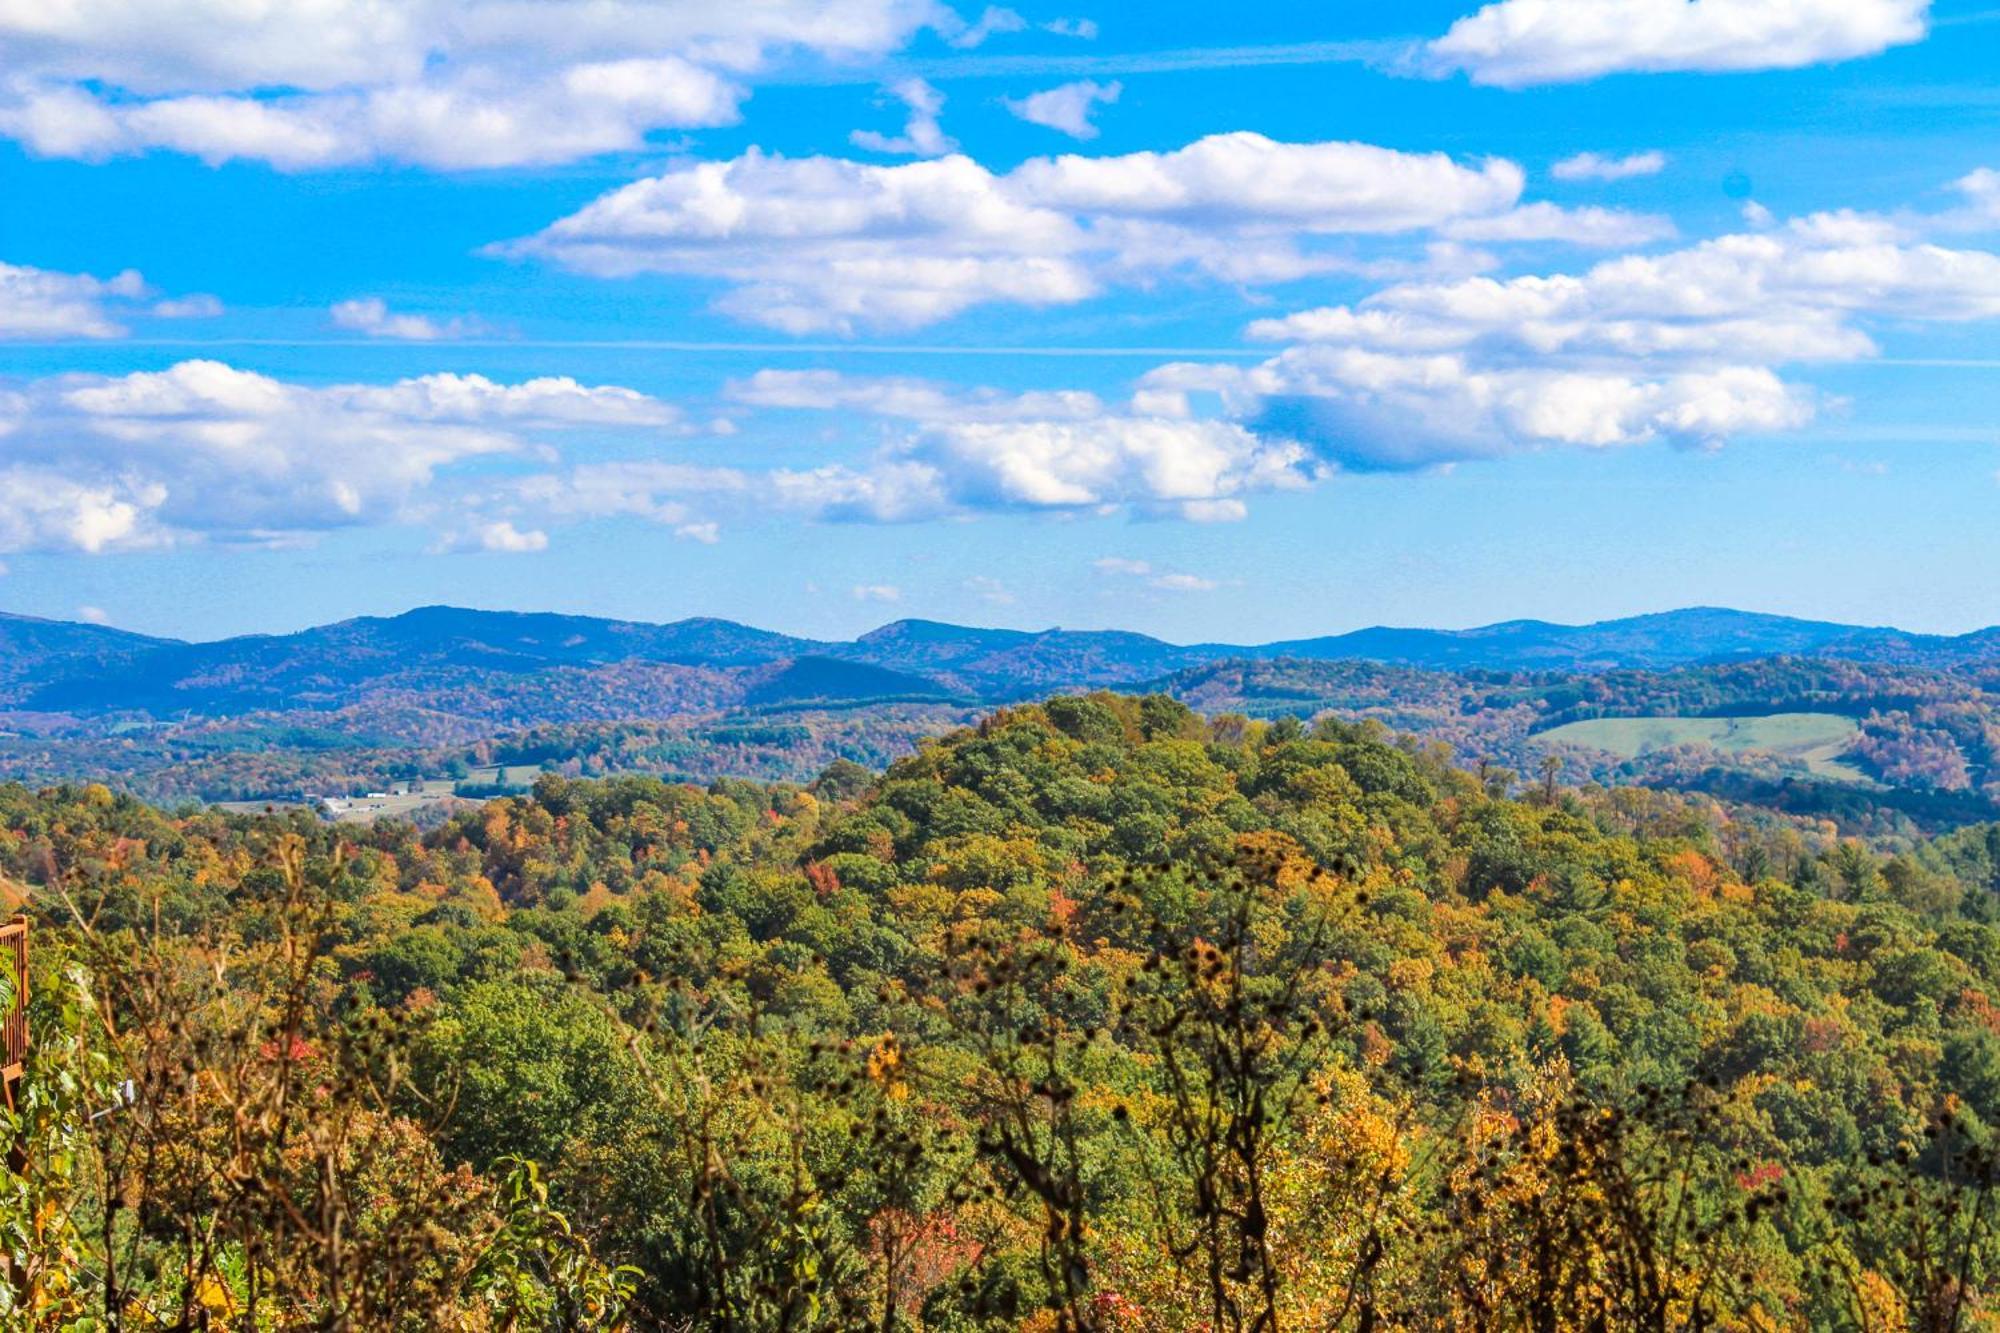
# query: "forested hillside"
[[439, 652], [1891, 735], [1887, 751], [1099, 1015], [1916, 748]]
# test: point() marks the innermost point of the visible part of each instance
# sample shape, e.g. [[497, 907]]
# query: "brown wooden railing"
[[14, 1027]]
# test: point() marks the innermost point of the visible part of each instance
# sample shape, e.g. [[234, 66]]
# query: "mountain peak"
[[913, 629]]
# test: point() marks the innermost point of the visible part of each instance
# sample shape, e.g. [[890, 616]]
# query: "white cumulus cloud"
[[38, 303], [1684, 346], [44, 303], [1248, 179], [1791, 293], [1197, 469], [819, 244], [206, 451], [43, 509], [1372, 411], [957, 452], [1517, 43], [1980, 209], [476, 120], [442, 83]]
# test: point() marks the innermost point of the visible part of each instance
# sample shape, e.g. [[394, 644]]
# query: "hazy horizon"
[[884, 620], [1215, 325]]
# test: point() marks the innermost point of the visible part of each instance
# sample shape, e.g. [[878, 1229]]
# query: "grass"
[[508, 775], [1815, 739]]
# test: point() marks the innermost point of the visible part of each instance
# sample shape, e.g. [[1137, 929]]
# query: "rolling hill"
[[373, 699], [32, 648], [1668, 638], [57, 667], [270, 713], [830, 680]]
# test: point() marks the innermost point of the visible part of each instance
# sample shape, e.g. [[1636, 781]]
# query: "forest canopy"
[[1099, 1014]]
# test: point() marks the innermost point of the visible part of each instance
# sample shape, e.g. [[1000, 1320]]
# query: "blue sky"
[[1231, 323]]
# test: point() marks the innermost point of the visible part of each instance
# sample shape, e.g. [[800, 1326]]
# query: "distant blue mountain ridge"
[[59, 666]]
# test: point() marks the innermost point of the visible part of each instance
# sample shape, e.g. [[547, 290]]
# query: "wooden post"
[[14, 1055], [14, 1026]]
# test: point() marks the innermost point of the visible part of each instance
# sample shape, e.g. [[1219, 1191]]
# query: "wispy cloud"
[[1384, 53], [504, 536], [371, 315], [1143, 570], [896, 349], [989, 590], [1598, 167], [1067, 108], [1084, 28], [198, 306], [993, 20], [922, 136]]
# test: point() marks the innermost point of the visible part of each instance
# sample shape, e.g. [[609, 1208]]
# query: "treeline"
[[253, 760], [1922, 730], [1929, 738], [1096, 1016]]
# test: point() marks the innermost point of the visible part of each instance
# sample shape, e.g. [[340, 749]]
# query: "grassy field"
[[1815, 739], [509, 775]]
